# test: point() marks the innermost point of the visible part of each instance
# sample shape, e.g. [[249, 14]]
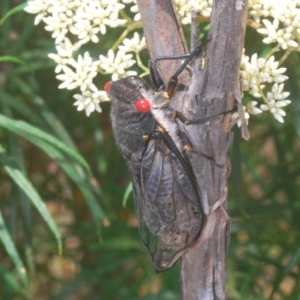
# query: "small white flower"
[[270, 30], [85, 31], [256, 72], [90, 100], [252, 108], [64, 56], [79, 74], [40, 8], [258, 75], [261, 9], [135, 44], [283, 26], [93, 18], [117, 64], [276, 99], [57, 24]]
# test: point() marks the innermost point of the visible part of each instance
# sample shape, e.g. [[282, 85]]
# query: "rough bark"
[[203, 266], [212, 89], [163, 33]]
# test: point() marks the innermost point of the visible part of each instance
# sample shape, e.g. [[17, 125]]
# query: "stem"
[[141, 65], [285, 56], [129, 28]]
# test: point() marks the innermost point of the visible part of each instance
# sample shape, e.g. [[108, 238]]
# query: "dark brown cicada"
[[166, 196]]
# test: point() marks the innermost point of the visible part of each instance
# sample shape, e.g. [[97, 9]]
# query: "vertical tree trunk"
[[212, 89]]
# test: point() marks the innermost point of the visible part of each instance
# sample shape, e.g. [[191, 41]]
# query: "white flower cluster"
[[185, 7], [263, 79], [83, 22], [280, 21], [74, 23], [82, 18], [78, 74], [119, 63]]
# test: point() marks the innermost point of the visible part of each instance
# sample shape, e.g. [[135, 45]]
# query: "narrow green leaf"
[[24, 184], [127, 193], [13, 59], [76, 168], [293, 263], [75, 171], [10, 248], [13, 11], [9, 279], [45, 113], [22, 108], [26, 130]]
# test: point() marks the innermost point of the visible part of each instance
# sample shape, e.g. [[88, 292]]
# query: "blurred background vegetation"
[[62, 184]]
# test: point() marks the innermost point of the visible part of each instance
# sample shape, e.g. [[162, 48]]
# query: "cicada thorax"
[[167, 201]]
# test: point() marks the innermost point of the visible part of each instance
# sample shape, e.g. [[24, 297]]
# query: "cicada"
[[165, 191]]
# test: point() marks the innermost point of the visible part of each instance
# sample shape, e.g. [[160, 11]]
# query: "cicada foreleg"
[[173, 81]]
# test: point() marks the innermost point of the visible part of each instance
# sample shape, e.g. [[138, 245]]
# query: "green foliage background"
[[62, 184]]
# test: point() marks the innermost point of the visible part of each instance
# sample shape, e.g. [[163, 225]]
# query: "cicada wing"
[[170, 206], [147, 237]]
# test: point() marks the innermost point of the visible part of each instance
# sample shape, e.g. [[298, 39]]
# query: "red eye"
[[142, 105], [107, 86]]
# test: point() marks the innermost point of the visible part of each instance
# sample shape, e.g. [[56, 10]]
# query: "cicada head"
[[126, 91]]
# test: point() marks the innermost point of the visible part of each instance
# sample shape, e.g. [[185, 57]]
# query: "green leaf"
[[77, 169], [24, 184], [127, 194], [45, 113], [28, 131], [292, 263], [74, 170], [10, 280], [10, 248], [13, 11], [13, 59]]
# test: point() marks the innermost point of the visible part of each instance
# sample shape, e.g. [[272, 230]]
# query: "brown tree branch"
[[203, 266], [163, 34], [209, 91]]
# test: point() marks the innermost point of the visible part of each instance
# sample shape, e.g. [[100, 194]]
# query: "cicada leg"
[[172, 83]]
